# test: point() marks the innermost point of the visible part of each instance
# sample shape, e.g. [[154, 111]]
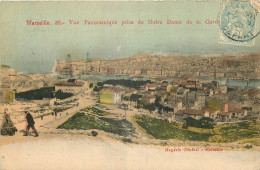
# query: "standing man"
[[29, 124]]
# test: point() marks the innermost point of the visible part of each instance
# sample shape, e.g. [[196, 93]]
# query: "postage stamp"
[[238, 24]]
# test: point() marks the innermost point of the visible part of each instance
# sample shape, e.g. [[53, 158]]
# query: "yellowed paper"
[[129, 85]]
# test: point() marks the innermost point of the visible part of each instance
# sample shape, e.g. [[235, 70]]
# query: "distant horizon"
[[3, 65], [167, 54]]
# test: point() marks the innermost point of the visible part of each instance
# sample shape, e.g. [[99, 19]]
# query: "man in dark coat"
[[30, 124]]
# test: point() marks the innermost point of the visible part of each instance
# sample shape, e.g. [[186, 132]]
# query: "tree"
[[168, 109], [151, 108], [99, 83], [138, 104], [60, 95], [135, 97], [160, 108], [157, 101], [190, 121], [206, 123], [96, 88], [214, 104], [184, 124]]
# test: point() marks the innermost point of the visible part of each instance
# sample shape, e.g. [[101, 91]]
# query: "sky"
[[34, 49]]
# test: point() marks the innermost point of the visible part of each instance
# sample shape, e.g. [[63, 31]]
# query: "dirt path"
[[49, 123], [128, 115]]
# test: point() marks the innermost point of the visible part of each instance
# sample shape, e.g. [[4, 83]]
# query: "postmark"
[[255, 4], [238, 24]]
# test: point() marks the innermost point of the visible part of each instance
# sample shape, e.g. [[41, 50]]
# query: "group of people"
[[8, 128]]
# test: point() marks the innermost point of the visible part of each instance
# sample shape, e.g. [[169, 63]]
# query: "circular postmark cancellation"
[[238, 21]]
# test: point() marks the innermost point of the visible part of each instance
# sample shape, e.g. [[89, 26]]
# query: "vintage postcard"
[[130, 85]]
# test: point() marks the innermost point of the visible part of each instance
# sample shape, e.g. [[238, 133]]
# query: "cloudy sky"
[[34, 48]]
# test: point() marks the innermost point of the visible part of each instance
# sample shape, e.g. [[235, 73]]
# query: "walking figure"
[[55, 115], [29, 124]]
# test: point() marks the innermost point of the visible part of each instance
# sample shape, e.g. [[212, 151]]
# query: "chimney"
[[226, 107]]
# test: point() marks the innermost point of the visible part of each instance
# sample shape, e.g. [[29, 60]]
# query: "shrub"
[[126, 140], [94, 133]]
